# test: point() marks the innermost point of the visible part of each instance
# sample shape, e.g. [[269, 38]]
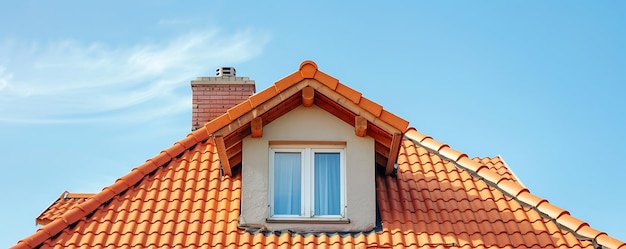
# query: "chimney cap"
[[226, 72]]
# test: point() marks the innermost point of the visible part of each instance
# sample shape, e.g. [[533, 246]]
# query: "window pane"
[[327, 184], [287, 183]]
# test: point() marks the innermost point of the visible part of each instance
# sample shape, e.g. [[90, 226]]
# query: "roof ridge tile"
[[286, 82], [175, 150], [131, 178], [511, 187], [551, 210], [239, 109], [349, 93], [120, 185], [213, 125], [200, 134], [394, 120], [187, 142], [453, 154], [327, 80], [587, 231], [262, 96], [571, 222], [308, 69], [370, 106]]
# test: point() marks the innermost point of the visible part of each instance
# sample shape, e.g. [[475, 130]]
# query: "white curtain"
[[327, 184], [287, 183]]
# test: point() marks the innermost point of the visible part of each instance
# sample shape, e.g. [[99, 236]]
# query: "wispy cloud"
[[4, 78], [70, 81]]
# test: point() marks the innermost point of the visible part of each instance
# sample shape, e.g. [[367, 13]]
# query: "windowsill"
[[308, 220]]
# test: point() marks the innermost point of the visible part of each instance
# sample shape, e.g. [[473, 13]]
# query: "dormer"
[[309, 172], [309, 148]]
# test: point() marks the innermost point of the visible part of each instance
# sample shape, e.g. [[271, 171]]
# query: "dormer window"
[[308, 173], [307, 182]]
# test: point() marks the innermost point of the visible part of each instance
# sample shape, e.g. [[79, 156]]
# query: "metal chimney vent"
[[225, 71]]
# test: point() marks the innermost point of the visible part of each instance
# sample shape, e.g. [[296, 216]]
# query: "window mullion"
[[312, 179], [271, 180], [342, 180], [306, 184]]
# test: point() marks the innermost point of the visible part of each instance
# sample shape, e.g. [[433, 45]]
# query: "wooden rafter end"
[[221, 152], [393, 152]]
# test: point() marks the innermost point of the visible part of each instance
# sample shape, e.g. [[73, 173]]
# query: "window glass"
[[287, 183], [307, 183], [327, 183]]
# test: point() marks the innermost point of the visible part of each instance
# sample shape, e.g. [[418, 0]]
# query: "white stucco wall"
[[309, 124]]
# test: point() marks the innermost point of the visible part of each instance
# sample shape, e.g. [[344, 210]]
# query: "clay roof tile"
[[440, 198]]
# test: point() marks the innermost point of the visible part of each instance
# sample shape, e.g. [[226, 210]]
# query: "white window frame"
[[308, 181]]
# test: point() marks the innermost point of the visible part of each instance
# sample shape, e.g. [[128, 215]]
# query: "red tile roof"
[[498, 165], [64, 203], [440, 198]]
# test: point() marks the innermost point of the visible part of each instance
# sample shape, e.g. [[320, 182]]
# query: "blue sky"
[[90, 90]]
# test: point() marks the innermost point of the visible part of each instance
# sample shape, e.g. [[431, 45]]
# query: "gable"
[[308, 123], [309, 126], [307, 86]]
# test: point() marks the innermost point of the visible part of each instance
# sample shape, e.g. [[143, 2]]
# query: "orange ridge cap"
[[349, 93], [102, 197], [262, 96], [108, 192], [371, 107], [489, 175], [34, 240], [551, 210], [450, 153], [146, 167], [307, 69], [587, 231], [175, 150], [469, 164], [610, 242], [187, 142], [515, 189], [117, 187], [160, 160], [412, 133], [433, 144], [192, 136], [394, 120], [88, 206], [78, 195], [512, 188], [72, 216], [131, 178], [286, 82], [530, 199], [327, 80], [239, 109], [54, 227], [571, 222], [21, 244], [214, 125]]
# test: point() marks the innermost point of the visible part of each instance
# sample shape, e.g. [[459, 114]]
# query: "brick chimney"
[[213, 96]]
